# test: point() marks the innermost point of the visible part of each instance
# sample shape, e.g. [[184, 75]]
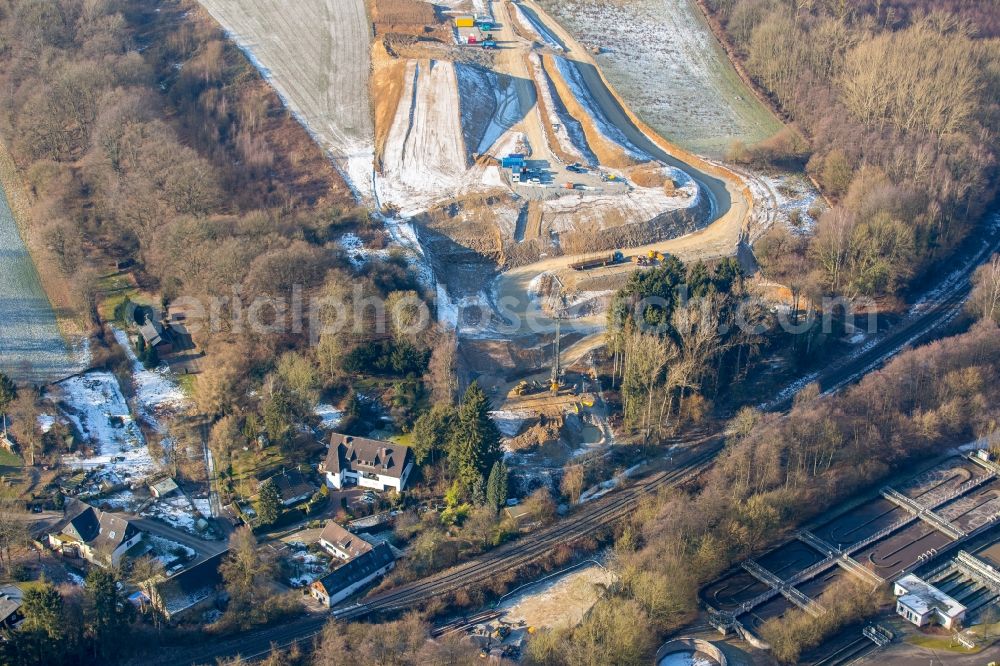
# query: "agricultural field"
[[32, 349], [667, 65], [316, 55]]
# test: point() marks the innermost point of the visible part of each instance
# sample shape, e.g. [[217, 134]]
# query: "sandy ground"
[[560, 601], [316, 55]]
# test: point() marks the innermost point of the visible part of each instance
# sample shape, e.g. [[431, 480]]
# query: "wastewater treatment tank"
[[689, 652]]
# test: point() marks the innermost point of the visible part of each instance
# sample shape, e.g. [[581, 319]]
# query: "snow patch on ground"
[[560, 601], [168, 551], [793, 197], [425, 157], [305, 566], [488, 103], [536, 29], [638, 204], [175, 511], [573, 78], [329, 416], [157, 392], [93, 403], [567, 129], [509, 422]]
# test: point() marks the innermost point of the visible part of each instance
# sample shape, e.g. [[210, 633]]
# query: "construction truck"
[[598, 262], [520, 388]]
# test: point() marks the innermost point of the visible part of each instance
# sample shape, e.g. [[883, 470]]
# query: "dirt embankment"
[[550, 136], [608, 152], [386, 90]]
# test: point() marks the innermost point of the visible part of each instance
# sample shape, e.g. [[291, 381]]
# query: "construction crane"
[[554, 384]]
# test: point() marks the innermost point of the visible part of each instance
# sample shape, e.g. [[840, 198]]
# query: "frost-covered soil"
[[94, 404], [534, 28], [31, 346], [571, 75], [157, 392], [316, 55], [489, 106], [567, 129], [667, 65], [443, 105], [638, 204]]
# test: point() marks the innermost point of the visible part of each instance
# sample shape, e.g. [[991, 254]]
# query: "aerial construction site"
[[501, 157]]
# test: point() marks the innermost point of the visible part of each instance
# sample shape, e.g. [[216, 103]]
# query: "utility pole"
[[554, 384]]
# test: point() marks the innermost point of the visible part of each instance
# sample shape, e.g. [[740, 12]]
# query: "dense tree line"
[[145, 134], [71, 625], [898, 102], [677, 334]]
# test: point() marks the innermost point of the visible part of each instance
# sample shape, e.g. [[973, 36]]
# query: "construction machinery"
[[655, 255]]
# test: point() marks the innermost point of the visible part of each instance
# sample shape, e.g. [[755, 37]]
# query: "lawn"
[[947, 643], [10, 463]]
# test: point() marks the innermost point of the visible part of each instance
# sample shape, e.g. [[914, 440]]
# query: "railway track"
[[508, 557]]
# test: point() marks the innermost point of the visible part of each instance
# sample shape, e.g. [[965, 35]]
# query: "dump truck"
[[465, 22], [598, 262]]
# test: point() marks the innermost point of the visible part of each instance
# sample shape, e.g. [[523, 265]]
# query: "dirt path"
[[316, 55], [731, 200]]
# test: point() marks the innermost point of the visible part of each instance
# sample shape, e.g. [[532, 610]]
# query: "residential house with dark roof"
[[10, 606], [344, 581], [370, 463], [293, 487], [343, 544], [99, 537], [183, 596]]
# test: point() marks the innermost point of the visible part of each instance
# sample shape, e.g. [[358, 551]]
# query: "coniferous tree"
[[268, 505], [109, 612], [496, 487], [474, 445]]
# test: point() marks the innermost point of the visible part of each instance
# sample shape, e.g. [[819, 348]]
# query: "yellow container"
[[465, 22]]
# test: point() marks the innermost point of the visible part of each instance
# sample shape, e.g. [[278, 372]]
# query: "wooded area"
[[898, 103], [777, 472]]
